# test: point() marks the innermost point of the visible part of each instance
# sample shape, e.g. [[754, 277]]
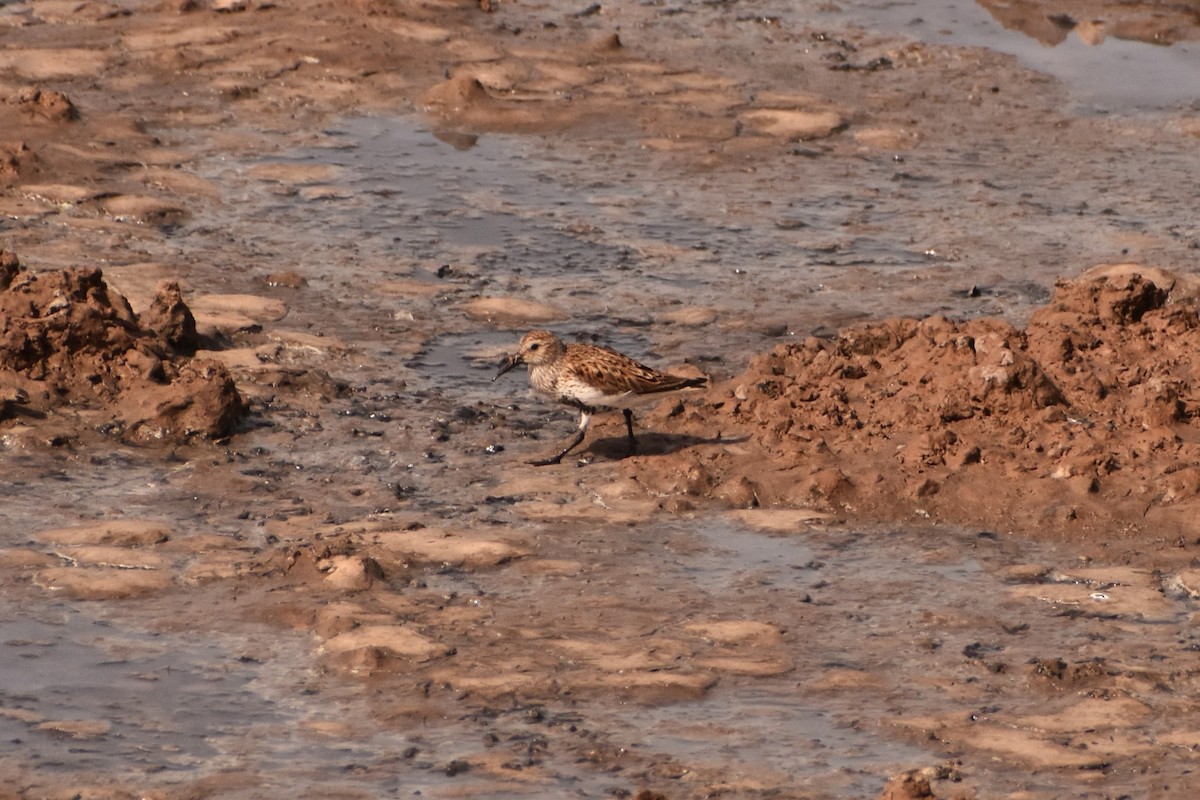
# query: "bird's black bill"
[[509, 363]]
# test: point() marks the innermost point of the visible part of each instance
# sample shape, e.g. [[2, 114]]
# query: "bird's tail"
[[678, 383]]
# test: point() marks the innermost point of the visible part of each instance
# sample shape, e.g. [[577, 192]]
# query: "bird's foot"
[[545, 462]]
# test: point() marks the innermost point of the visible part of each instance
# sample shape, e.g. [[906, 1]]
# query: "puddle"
[[464, 363], [86, 696], [1112, 75], [159, 703], [881, 629], [773, 726], [751, 733], [243, 708], [522, 217], [404, 192]]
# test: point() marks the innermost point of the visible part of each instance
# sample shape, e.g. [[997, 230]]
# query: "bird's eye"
[[534, 346]]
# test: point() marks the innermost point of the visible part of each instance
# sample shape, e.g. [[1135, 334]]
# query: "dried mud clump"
[[1088, 417], [170, 317], [926, 783], [1121, 351], [69, 342], [46, 105], [10, 267], [920, 375], [15, 159]]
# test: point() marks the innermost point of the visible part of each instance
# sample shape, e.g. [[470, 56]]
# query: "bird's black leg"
[[584, 418], [544, 462], [629, 429]]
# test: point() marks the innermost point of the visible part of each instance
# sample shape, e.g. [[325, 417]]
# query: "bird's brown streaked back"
[[616, 373]]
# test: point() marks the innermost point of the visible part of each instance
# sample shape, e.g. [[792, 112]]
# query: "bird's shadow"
[[12, 410], [652, 444]]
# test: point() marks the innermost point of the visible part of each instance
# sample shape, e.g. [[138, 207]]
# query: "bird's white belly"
[[585, 394]]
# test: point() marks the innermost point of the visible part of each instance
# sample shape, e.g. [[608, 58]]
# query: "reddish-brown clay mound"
[[1088, 418], [67, 340]]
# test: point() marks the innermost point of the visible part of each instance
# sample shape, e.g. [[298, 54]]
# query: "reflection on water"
[[1145, 22], [84, 695], [1106, 64], [89, 697]]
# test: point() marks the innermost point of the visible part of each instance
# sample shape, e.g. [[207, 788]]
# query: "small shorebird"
[[591, 379]]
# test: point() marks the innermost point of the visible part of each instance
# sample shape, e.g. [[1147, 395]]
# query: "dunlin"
[[591, 379]]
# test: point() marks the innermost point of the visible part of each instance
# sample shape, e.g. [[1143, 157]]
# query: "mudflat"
[[930, 530]]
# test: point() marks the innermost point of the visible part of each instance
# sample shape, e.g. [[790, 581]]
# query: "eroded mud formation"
[[69, 343], [1087, 415]]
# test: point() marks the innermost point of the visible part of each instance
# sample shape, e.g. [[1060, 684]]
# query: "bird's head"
[[536, 347]]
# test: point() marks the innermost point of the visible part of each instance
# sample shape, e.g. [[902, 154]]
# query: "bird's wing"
[[612, 373]]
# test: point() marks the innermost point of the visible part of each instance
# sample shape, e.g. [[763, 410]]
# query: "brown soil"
[[1083, 425]]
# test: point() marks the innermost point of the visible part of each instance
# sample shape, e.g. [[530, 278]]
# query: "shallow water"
[[802, 247], [774, 726], [172, 703], [915, 615], [238, 704]]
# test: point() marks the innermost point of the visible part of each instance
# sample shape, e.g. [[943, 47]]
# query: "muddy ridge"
[[1085, 420]]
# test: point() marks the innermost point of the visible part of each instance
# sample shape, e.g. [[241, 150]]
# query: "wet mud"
[[269, 527]]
